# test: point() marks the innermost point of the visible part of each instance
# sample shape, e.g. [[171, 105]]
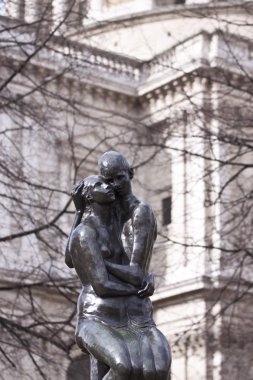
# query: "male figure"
[[137, 218], [140, 232]]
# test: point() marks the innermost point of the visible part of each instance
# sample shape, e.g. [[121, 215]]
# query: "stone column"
[[34, 10], [14, 8], [69, 13], [60, 9], [96, 9]]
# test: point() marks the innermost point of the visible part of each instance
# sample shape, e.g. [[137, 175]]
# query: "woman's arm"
[[90, 266], [131, 273], [79, 203]]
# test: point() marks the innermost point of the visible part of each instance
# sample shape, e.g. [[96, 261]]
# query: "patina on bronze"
[[110, 247]]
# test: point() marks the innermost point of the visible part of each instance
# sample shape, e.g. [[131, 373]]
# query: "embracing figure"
[[115, 322]]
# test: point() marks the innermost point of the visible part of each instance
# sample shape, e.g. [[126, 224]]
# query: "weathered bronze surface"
[[110, 247]]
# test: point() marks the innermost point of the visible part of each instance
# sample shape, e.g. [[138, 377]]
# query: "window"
[[166, 211]]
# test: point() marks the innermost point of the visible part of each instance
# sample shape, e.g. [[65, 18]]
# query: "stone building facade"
[[173, 78]]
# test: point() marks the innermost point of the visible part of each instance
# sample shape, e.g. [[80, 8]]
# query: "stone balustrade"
[[117, 67], [206, 50]]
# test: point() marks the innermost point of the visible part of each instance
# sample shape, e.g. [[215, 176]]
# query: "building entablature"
[[157, 13], [81, 13], [185, 288], [135, 78], [39, 282], [211, 287]]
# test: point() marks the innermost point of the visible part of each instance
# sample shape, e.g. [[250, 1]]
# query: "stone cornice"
[[136, 78], [12, 281], [210, 287], [172, 67], [185, 289], [161, 14]]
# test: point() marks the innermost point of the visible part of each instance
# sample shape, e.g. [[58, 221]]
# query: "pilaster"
[[68, 13], [14, 8], [33, 10]]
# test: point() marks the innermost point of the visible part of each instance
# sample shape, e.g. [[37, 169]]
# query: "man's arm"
[[79, 203], [144, 233], [90, 267]]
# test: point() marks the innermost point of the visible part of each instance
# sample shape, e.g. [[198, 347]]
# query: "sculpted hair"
[[76, 194], [89, 184]]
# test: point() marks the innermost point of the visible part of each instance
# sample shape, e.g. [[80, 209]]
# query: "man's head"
[[115, 169]]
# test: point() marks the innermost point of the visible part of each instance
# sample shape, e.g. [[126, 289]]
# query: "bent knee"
[[79, 340], [163, 369], [123, 369]]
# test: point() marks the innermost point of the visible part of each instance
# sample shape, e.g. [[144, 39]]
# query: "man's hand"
[[149, 286]]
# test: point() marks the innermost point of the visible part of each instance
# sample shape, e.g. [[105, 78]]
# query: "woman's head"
[[94, 189]]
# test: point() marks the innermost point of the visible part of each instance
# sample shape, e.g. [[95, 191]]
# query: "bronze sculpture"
[[115, 322]]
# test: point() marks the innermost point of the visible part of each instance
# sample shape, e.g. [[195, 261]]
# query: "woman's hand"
[[76, 194]]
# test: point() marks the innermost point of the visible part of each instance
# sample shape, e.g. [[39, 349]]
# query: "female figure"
[[114, 324], [101, 304]]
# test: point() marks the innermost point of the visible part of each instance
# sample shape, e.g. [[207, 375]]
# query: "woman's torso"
[[115, 311]]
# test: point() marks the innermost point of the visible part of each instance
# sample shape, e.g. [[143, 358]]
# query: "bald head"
[[112, 161]]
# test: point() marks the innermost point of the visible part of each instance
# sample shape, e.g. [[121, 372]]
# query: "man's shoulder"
[[144, 211], [143, 207]]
